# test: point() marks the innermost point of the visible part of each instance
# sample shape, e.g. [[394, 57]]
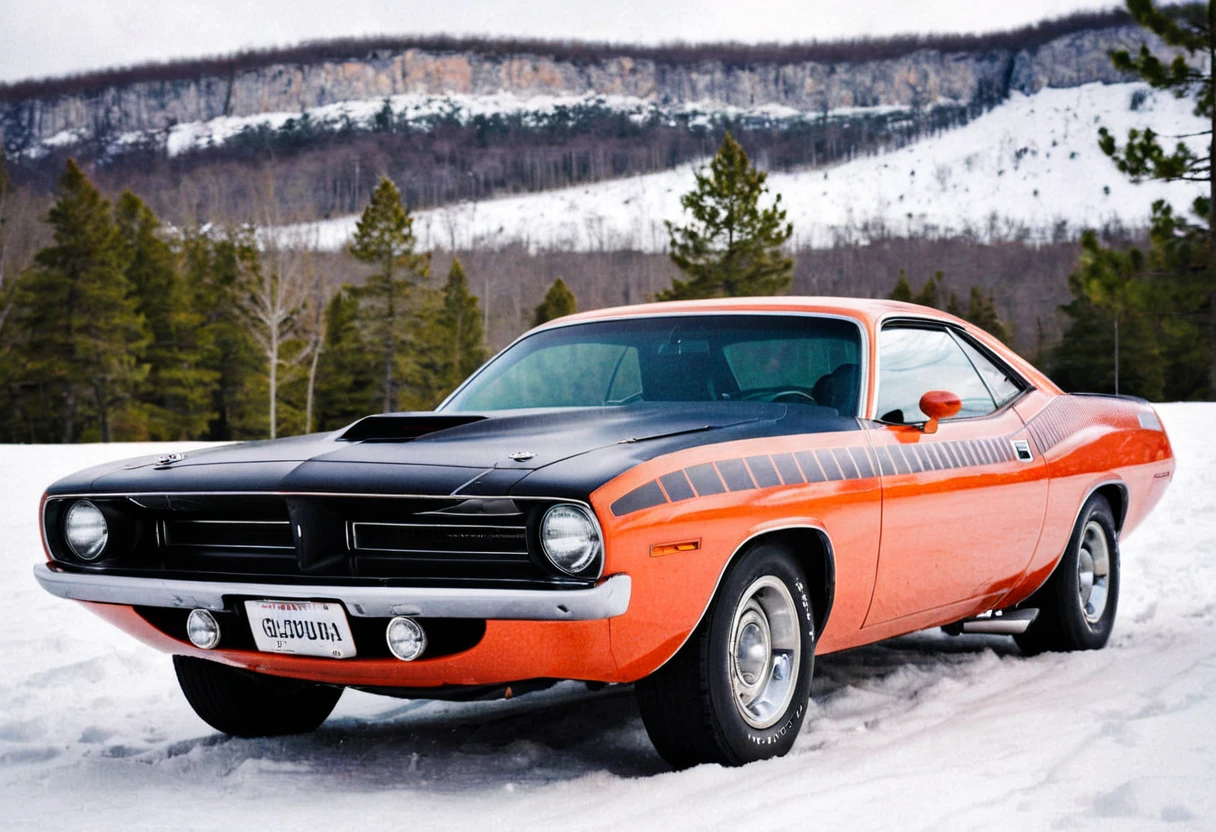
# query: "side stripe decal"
[[1068, 415], [788, 468], [820, 465]]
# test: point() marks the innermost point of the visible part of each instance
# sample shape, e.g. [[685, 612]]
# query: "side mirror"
[[939, 404]]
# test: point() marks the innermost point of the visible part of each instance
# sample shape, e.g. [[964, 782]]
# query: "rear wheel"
[[247, 704], [737, 691], [1078, 603]]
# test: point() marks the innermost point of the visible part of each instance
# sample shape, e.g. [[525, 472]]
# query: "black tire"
[[247, 704], [688, 706], [1063, 624]]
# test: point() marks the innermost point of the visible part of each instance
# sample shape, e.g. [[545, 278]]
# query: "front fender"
[[677, 550]]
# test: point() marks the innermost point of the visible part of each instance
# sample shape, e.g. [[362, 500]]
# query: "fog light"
[[406, 638], [203, 629]]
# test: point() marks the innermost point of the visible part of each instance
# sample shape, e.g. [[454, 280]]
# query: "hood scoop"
[[403, 427]]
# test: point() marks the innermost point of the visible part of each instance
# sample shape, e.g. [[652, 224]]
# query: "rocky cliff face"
[[918, 78]]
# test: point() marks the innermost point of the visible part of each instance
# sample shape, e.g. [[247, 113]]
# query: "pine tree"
[[214, 266], [1184, 252], [384, 239], [7, 374], [463, 339], [903, 289], [5, 186], [346, 371], [10, 412], [953, 305], [929, 294], [426, 352], [319, 298], [81, 335], [445, 341], [558, 302], [176, 396], [1110, 291], [1082, 361], [731, 247], [1039, 359], [981, 311]]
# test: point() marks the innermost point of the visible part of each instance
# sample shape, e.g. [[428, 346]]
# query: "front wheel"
[[738, 690], [1077, 605], [248, 704]]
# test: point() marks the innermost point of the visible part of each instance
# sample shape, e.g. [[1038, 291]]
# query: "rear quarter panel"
[[1090, 442]]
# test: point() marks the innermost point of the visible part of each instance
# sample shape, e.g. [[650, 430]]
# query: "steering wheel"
[[793, 397]]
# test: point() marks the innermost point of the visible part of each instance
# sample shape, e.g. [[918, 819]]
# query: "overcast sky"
[[53, 37]]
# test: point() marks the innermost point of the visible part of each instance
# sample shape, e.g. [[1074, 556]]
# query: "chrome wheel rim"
[[1093, 572], [765, 652]]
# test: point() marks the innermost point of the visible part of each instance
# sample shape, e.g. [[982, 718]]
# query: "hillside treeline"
[[123, 330], [305, 169], [1030, 280]]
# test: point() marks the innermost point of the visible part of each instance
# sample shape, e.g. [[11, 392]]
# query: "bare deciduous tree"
[[273, 306]]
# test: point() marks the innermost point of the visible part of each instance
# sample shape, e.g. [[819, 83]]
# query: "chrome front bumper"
[[606, 600]]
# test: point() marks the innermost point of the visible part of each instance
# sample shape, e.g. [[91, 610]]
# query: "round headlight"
[[85, 530], [570, 538]]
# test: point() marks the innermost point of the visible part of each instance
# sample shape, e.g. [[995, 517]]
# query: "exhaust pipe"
[[1002, 623]]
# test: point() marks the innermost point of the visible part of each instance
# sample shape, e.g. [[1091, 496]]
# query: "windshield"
[[793, 359]]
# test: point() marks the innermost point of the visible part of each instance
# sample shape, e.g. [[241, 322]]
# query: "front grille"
[[252, 536], [436, 548], [423, 540], [274, 535], [349, 540]]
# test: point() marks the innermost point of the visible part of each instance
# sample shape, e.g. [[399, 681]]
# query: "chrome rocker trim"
[[606, 600]]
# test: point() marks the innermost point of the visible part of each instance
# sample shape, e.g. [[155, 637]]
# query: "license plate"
[[305, 628]]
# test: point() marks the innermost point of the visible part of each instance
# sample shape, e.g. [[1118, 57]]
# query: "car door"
[[962, 507]]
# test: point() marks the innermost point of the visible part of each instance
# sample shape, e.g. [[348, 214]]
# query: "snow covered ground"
[[1033, 161], [921, 732]]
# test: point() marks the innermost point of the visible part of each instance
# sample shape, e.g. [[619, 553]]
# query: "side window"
[[1002, 386], [913, 361]]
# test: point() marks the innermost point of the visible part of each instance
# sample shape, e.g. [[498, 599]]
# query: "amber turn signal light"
[[658, 550]]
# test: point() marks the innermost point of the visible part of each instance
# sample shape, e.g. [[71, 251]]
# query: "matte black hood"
[[554, 452]]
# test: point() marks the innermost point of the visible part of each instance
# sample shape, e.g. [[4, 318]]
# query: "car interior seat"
[[838, 389]]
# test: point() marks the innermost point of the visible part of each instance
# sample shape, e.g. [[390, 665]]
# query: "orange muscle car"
[[694, 497]]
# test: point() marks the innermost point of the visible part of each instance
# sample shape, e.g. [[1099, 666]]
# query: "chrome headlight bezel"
[[590, 564], [86, 550]]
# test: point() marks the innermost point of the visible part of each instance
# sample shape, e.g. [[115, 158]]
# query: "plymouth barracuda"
[[696, 498]]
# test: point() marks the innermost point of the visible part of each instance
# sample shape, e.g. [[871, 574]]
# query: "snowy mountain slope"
[[421, 110], [923, 732], [1032, 162]]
